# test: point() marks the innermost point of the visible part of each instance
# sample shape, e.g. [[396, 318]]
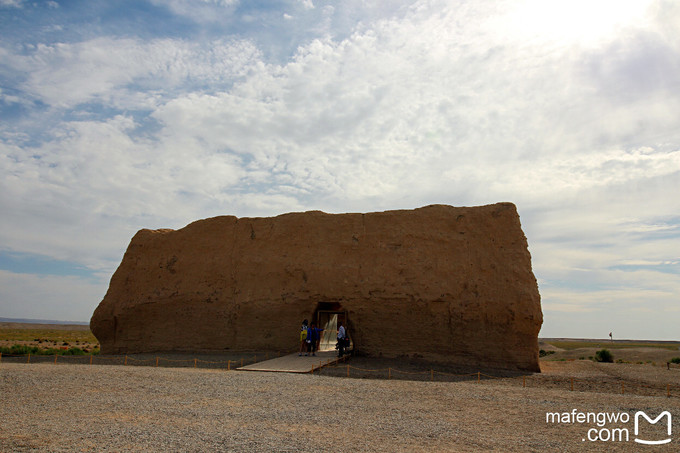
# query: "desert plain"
[[80, 407]]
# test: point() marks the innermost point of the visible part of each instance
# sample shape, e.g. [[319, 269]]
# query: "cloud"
[[128, 73], [202, 11], [376, 107], [48, 297], [11, 3], [307, 4]]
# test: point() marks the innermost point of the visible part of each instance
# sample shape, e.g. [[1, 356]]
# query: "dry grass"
[[46, 336], [611, 345]]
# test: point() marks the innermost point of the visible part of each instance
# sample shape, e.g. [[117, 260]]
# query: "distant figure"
[[342, 335], [304, 332], [314, 338], [611, 337]]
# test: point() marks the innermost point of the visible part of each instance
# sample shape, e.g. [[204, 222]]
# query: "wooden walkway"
[[293, 363]]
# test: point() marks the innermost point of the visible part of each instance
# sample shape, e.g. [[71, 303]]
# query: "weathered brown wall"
[[445, 283]]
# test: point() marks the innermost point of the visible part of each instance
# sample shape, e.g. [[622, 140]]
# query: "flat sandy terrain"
[[46, 336], [48, 407]]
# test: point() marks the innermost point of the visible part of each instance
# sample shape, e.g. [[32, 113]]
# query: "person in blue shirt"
[[314, 338]]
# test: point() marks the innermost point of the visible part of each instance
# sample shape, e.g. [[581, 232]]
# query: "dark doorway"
[[328, 315]]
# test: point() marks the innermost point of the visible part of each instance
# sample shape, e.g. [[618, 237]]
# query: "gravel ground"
[[115, 408]]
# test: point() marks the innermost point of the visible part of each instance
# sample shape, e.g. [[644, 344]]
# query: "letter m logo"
[[639, 414]]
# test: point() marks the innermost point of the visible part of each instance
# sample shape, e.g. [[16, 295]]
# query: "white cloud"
[[307, 4], [12, 3], [129, 73], [202, 11], [427, 103], [48, 296]]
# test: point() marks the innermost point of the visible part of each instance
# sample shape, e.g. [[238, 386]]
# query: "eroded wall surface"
[[453, 284]]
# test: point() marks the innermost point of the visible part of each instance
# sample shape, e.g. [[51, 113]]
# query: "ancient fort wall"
[[446, 283]]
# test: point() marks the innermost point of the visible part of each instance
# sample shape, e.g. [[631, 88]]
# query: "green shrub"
[[603, 355], [19, 349], [675, 360], [543, 353]]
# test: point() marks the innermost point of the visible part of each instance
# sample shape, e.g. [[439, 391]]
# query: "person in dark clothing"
[[314, 337]]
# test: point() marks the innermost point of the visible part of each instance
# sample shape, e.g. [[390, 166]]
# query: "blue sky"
[[117, 116]]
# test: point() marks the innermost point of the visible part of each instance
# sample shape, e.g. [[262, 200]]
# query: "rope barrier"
[[411, 372], [333, 363]]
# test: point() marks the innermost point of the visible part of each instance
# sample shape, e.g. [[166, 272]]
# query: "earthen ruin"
[[451, 284]]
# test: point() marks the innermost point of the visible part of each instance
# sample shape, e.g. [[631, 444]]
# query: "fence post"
[[228, 365], [389, 373], [156, 362], [572, 384], [524, 381], [29, 358], [479, 376], [431, 374], [55, 357], [125, 363], [91, 357], [194, 363]]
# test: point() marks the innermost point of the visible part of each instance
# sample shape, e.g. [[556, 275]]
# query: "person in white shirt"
[[342, 335]]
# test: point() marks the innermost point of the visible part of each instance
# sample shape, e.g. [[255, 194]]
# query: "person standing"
[[304, 333], [341, 339], [314, 338]]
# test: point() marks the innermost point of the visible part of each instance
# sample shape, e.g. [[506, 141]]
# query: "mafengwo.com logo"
[[642, 428]]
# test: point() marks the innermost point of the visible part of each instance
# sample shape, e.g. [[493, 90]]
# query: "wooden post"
[[55, 357], [125, 360], [156, 362], [228, 365], [479, 376], [389, 373], [524, 381], [431, 374], [194, 363], [312, 369], [572, 384], [29, 358], [91, 357]]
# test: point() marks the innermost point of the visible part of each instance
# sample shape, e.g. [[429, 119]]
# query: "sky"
[[118, 116]]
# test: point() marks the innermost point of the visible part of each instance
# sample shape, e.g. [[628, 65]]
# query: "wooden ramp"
[[293, 363]]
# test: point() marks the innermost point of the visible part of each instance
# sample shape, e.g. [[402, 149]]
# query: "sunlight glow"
[[584, 21]]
